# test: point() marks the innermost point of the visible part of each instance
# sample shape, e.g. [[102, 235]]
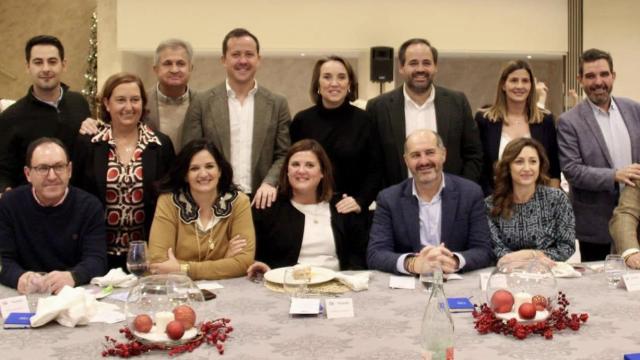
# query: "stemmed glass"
[[614, 268], [137, 261]]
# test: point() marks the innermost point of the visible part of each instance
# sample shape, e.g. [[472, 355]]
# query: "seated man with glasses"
[[51, 234]]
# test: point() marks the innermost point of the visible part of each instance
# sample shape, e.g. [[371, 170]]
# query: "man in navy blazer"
[[420, 104], [599, 143], [432, 216]]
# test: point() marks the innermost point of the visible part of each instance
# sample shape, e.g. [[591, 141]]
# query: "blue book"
[[461, 304], [635, 356], [18, 321]]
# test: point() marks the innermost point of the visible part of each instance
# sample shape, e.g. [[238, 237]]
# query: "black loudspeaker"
[[381, 64]]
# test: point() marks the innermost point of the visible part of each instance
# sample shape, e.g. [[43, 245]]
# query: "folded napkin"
[[564, 270], [356, 282], [71, 307], [116, 278]]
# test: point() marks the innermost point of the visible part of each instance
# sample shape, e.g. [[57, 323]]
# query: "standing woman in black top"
[[514, 114], [344, 131]]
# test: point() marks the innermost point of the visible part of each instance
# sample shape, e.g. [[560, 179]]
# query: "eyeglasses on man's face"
[[43, 170]]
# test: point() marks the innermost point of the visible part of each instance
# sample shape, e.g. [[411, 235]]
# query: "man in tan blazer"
[[624, 225], [247, 122]]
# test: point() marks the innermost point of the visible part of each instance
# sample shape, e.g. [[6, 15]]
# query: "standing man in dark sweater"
[[50, 227], [48, 109], [420, 104]]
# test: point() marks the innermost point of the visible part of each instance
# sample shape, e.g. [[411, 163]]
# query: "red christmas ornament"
[[186, 315], [502, 301], [540, 302], [175, 330], [527, 311], [143, 323]]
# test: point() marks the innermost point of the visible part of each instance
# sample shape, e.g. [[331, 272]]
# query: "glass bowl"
[[158, 297], [518, 282]]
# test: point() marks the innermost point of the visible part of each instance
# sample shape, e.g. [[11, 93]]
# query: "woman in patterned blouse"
[[121, 163], [527, 218]]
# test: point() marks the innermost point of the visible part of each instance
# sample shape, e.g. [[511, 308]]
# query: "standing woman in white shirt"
[[303, 225]]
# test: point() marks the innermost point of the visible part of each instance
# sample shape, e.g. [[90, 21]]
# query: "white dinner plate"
[[318, 275]]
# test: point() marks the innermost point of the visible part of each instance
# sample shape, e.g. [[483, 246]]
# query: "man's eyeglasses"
[[43, 170]]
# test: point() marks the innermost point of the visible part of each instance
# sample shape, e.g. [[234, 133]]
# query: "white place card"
[[119, 296], [301, 306], [13, 304], [339, 308], [109, 317], [453, 276], [499, 281], [402, 282], [209, 285], [631, 281]]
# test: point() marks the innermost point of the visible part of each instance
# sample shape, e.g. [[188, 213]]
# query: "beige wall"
[[287, 28], [20, 20], [613, 26]]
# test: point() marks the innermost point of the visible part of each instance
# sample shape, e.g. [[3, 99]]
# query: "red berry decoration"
[[527, 311], [143, 323], [186, 315], [540, 302], [485, 321], [502, 301], [175, 330]]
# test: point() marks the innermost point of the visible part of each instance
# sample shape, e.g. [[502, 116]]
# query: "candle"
[[162, 319]]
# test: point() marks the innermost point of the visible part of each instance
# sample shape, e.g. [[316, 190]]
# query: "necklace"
[[211, 246]]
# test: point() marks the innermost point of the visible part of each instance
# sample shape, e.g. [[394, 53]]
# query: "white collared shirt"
[[615, 134], [430, 217], [241, 131], [419, 116]]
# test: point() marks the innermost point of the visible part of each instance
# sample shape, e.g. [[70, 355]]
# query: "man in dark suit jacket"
[[431, 217], [419, 104], [599, 143], [209, 116]]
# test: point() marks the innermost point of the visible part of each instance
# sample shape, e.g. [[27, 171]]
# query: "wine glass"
[[137, 261], [614, 268]]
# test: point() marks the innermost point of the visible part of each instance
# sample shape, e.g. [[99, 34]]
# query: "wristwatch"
[[185, 268]]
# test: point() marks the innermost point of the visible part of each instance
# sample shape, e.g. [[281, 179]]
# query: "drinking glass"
[[36, 289], [427, 274], [295, 288], [614, 268], [137, 261]]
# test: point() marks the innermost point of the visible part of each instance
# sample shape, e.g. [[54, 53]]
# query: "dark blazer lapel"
[[395, 107], [100, 164], [441, 102], [587, 115], [153, 117], [150, 163], [219, 108], [450, 197], [411, 215], [632, 128], [337, 225], [262, 116], [494, 132]]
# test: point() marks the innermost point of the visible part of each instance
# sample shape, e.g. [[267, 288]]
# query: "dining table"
[[386, 325]]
